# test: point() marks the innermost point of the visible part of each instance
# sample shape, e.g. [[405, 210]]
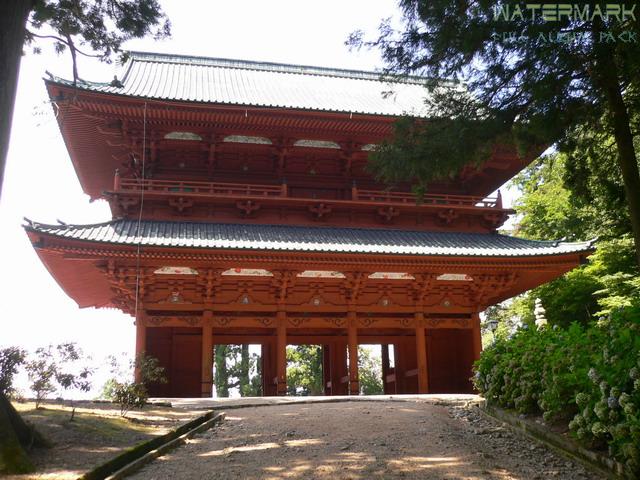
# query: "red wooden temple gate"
[[261, 225]]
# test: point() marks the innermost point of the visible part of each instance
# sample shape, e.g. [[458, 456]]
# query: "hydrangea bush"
[[589, 377]]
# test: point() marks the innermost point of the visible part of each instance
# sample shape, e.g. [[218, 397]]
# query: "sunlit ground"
[[351, 440]]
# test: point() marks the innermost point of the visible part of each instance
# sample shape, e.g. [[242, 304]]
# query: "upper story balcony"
[[263, 203]]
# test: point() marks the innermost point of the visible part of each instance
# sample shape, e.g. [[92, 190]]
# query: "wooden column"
[[387, 372], [281, 354], [477, 336], [327, 385], [339, 368], [352, 339], [141, 344], [421, 354], [207, 355]]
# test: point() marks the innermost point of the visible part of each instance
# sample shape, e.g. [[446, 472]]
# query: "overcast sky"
[[41, 184]]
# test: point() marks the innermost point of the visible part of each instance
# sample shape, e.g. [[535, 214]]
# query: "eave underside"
[[109, 275]]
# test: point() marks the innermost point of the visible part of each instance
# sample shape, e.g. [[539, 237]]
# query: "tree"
[[221, 379], [69, 374], [304, 370], [10, 359], [102, 26], [529, 80], [369, 373], [15, 435], [42, 370], [554, 205], [236, 367]]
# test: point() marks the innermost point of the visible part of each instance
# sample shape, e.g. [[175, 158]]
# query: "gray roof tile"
[[315, 239], [236, 82]]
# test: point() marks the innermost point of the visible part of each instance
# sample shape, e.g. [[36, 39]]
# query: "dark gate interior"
[[179, 351], [450, 358]]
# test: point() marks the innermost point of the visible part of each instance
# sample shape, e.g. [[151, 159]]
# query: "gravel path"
[[361, 440]]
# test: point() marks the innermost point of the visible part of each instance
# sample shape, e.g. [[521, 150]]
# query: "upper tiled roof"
[[239, 82], [312, 239]]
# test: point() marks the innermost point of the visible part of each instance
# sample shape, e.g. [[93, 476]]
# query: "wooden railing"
[[177, 187], [201, 188], [428, 199]]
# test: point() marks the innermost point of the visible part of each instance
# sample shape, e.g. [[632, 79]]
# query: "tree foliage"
[[93, 28], [369, 372], [304, 370], [524, 84], [554, 206], [124, 391], [236, 367], [101, 25], [11, 358]]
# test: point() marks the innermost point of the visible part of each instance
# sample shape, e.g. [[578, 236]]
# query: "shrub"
[[130, 394], [587, 376]]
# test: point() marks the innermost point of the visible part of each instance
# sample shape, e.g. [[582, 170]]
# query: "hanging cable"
[[138, 227]]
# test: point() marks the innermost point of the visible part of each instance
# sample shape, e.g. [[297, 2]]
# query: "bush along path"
[[588, 377]]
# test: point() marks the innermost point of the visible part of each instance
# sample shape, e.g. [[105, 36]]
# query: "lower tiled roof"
[[311, 239]]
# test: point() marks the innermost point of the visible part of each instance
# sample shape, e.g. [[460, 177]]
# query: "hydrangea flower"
[[582, 399]]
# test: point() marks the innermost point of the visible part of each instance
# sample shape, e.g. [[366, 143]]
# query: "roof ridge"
[[61, 226], [135, 55]]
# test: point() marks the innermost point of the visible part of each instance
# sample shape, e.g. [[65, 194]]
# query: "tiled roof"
[[312, 239], [239, 82]]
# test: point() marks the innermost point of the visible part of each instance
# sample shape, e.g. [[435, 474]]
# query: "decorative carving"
[[405, 322], [367, 321], [190, 320], [266, 321], [282, 283], [448, 216], [462, 322], [126, 203], [156, 320], [180, 204], [422, 286], [487, 287], [222, 321], [353, 285], [388, 213], [297, 321], [210, 283], [495, 219], [338, 322], [175, 297], [248, 208], [320, 210], [434, 322]]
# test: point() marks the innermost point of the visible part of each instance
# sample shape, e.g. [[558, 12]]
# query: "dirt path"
[[361, 440]]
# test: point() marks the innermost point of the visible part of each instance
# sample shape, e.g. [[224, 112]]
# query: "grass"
[[96, 434]]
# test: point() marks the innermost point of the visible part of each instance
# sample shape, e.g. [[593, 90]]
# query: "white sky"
[[40, 182]]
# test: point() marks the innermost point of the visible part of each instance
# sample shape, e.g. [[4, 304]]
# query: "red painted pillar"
[[281, 354], [477, 336], [352, 339], [207, 356], [421, 353]]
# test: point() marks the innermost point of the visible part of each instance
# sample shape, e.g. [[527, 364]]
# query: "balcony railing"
[[428, 199], [200, 188], [210, 189]]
